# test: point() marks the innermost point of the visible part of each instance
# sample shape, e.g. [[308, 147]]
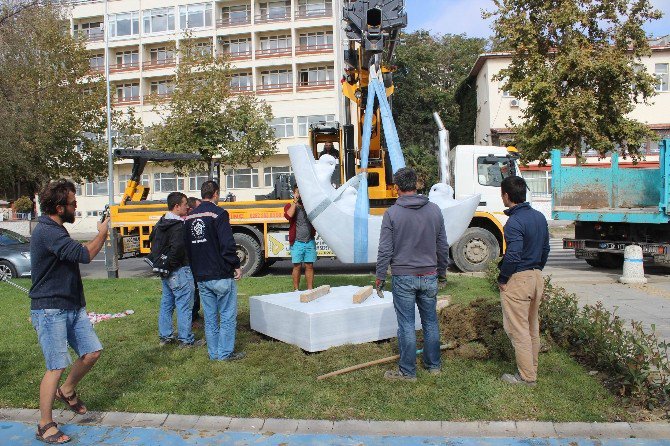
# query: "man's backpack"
[[158, 258]]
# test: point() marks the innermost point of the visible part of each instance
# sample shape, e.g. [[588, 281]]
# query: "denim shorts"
[[303, 252], [56, 329]]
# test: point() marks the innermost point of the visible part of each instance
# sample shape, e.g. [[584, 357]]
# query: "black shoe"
[[235, 356], [198, 343]]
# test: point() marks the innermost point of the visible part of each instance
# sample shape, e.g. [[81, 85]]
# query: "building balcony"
[[126, 66], [230, 22], [241, 89], [100, 69], [90, 36], [316, 85], [153, 98], [127, 100], [238, 55], [274, 88], [303, 13], [273, 52], [276, 16], [158, 64], [305, 50]]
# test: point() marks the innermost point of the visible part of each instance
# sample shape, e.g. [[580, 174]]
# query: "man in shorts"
[[301, 235], [57, 304]]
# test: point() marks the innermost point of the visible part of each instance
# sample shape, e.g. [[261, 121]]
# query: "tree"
[[203, 116], [52, 114], [576, 63], [430, 69]]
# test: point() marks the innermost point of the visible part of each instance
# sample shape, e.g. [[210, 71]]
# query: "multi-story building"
[[286, 51], [495, 108]]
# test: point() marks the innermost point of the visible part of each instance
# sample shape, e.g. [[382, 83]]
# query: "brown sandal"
[[51, 439], [77, 407]]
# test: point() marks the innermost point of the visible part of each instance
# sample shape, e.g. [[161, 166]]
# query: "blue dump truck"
[[613, 208]]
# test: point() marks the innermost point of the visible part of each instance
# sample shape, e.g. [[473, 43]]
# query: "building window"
[[539, 182], [195, 16], [270, 43], [661, 72], [195, 180], [276, 78], [168, 182], [241, 82], [158, 20], [317, 39], [90, 31], [128, 92], [161, 55], [283, 127], [316, 76], [307, 8], [97, 62], [237, 47], [203, 49], [275, 10], [270, 174], [123, 181], [241, 178], [305, 121], [127, 59], [163, 87], [98, 188], [236, 15], [126, 24]]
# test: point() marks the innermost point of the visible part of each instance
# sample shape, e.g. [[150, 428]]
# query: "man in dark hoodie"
[[213, 252], [413, 241], [178, 286], [57, 304], [521, 283]]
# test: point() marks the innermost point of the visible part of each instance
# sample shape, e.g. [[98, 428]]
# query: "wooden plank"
[[314, 294], [362, 294]]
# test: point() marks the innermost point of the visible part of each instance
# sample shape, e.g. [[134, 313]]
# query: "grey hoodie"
[[413, 239]]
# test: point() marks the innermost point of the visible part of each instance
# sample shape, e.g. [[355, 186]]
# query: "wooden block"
[[311, 295], [362, 294]]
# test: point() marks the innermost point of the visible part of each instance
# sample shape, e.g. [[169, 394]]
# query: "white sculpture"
[[331, 210]]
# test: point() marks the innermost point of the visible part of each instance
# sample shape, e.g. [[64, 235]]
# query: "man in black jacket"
[[213, 252], [178, 286]]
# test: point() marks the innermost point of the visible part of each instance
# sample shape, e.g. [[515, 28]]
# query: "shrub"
[[492, 272], [23, 205]]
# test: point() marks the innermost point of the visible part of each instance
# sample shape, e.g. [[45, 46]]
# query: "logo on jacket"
[[198, 231]]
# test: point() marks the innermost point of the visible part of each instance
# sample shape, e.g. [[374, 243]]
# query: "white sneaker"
[[516, 379]]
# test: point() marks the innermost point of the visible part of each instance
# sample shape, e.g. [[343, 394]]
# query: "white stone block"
[[328, 321]]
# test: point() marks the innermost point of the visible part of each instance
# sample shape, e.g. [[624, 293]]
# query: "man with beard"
[[58, 307]]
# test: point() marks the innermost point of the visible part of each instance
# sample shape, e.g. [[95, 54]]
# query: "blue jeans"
[[56, 329], [421, 290], [178, 290], [219, 303]]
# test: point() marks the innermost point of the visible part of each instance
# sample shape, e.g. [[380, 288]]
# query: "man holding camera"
[[301, 235]]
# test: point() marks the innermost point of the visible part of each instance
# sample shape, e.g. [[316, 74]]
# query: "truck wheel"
[[250, 254], [606, 260], [594, 263], [475, 250]]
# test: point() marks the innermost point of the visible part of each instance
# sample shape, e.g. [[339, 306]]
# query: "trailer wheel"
[[606, 260], [250, 254], [475, 250]]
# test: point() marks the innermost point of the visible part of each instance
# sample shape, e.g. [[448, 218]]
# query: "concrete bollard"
[[633, 266]]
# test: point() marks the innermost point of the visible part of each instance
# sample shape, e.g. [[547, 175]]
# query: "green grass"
[[279, 380]]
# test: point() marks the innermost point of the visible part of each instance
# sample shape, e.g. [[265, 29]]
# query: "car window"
[[492, 170], [8, 238]]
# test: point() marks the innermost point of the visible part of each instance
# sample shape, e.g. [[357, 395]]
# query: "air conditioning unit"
[[514, 103]]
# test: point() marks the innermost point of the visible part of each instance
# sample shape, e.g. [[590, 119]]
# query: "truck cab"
[[480, 170]]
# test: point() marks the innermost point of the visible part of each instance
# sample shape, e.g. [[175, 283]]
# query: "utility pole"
[[111, 258]]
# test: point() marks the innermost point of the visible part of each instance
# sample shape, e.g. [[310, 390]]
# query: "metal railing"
[[241, 89], [124, 66], [274, 16], [305, 13], [314, 49], [90, 36], [158, 63], [225, 22], [274, 88], [238, 55], [273, 52], [128, 100], [315, 85]]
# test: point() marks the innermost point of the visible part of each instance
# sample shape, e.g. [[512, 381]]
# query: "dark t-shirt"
[[303, 227]]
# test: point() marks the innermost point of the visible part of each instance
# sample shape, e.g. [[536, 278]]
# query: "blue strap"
[[390, 131]]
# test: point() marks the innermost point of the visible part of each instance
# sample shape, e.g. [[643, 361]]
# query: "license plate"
[[131, 244]]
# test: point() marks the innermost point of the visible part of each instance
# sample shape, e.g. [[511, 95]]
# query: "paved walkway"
[[649, 304], [17, 427]]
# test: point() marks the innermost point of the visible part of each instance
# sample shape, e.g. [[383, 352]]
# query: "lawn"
[[279, 380]]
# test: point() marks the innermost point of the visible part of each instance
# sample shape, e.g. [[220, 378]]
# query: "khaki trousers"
[[521, 302]]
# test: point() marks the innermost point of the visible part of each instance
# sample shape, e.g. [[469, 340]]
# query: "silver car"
[[14, 254]]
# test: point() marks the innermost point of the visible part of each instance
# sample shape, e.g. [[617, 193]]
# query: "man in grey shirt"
[[301, 235], [413, 241]]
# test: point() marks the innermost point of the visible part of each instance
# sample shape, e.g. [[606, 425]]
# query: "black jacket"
[[170, 232], [210, 243]]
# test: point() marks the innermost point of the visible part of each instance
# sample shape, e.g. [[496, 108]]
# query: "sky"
[[464, 16]]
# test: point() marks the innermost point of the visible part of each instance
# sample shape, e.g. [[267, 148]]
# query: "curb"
[[448, 429]]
